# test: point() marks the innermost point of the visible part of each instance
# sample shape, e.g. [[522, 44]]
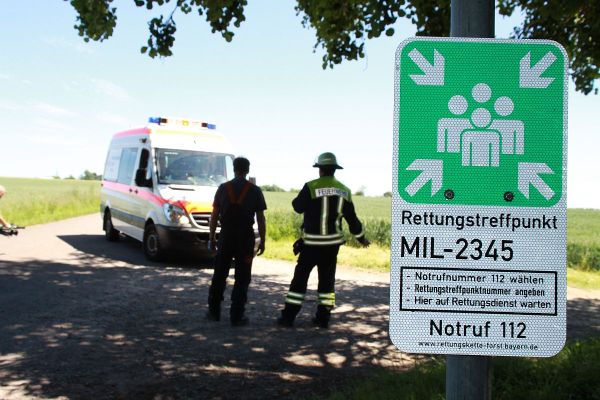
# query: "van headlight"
[[175, 214]]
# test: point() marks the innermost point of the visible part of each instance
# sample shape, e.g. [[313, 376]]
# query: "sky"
[[61, 99]]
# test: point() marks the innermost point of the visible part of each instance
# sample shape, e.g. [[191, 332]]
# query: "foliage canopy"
[[342, 26]]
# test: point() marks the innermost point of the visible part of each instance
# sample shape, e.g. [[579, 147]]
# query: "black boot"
[[288, 315], [215, 298], [285, 322], [237, 315], [322, 316], [214, 312]]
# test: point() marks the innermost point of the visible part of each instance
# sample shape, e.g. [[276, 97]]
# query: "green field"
[[37, 201], [372, 207], [583, 239], [583, 234], [374, 212]]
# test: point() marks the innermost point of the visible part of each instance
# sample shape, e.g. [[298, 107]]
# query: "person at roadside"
[[3, 222], [235, 205], [324, 202]]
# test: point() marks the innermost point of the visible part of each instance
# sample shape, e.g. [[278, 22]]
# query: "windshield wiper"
[[181, 187]]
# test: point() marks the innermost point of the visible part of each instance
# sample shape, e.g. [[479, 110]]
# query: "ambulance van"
[[159, 183]]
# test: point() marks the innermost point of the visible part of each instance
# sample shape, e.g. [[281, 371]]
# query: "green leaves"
[[162, 37], [342, 26], [220, 14], [95, 20], [574, 24]]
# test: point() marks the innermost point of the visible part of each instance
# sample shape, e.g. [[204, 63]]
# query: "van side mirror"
[[140, 178]]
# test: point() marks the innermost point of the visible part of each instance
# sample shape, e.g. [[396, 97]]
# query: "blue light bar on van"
[[181, 122]]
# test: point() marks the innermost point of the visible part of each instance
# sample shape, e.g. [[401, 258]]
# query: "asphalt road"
[[82, 318]]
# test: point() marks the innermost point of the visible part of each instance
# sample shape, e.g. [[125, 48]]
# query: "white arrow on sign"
[[531, 77], [432, 171], [434, 73], [529, 175]]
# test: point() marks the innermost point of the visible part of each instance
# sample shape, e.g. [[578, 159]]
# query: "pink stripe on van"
[[131, 132]]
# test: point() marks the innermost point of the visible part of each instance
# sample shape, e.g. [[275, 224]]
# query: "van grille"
[[201, 219]]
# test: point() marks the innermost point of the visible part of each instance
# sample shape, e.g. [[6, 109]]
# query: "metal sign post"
[[470, 19], [479, 203]]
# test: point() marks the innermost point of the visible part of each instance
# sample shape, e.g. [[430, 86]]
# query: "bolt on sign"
[[479, 199]]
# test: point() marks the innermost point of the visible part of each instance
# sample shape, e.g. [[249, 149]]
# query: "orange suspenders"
[[231, 193]]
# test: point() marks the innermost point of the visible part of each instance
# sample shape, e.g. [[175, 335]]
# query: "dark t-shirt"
[[253, 202]]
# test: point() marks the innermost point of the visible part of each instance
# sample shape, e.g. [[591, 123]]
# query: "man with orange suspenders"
[[236, 202]]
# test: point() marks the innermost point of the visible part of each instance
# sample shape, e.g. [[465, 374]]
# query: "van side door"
[[123, 208], [143, 200]]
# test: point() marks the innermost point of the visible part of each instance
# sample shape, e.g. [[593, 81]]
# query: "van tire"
[[152, 245], [110, 233]]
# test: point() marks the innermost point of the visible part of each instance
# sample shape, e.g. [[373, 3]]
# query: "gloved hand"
[[364, 241], [297, 247]]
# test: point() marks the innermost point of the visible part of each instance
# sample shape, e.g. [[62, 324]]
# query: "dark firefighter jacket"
[[324, 202]]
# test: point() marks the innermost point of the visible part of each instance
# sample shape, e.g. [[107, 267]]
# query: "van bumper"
[[185, 239]]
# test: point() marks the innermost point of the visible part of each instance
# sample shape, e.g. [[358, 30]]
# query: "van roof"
[[159, 129], [167, 136], [172, 125]]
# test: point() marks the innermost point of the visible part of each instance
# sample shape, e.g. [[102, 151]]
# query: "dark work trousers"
[[235, 244], [325, 258]]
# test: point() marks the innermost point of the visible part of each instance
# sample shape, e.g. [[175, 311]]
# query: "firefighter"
[[236, 202], [323, 201]]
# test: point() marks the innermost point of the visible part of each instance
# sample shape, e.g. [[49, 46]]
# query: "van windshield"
[[188, 167]]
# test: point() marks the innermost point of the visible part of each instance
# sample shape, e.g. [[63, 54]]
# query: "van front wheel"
[[152, 246], [111, 234]]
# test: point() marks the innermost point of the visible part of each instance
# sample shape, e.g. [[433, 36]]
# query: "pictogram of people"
[[511, 131], [479, 138], [450, 129]]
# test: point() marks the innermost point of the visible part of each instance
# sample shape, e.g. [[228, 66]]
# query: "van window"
[[144, 158], [188, 167], [111, 169], [145, 165], [127, 165]]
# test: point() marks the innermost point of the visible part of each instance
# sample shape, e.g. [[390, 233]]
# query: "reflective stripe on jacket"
[[324, 202]]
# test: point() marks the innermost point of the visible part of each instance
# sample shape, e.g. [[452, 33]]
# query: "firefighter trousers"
[[325, 258], [238, 245]]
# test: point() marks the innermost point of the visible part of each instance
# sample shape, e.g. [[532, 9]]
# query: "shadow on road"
[[583, 318], [100, 330], [130, 251], [122, 332]]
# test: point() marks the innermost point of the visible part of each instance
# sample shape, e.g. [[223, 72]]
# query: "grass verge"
[[589, 280], [572, 374], [375, 258]]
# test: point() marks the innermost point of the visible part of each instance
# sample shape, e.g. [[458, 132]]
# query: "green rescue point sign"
[[481, 122]]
